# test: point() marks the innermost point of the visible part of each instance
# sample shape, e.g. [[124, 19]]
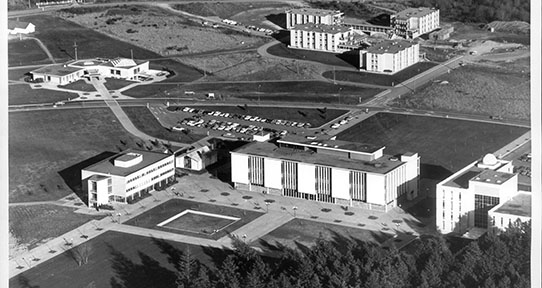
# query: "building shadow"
[[351, 57], [383, 19], [436, 172], [282, 36], [72, 174], [277, 19]]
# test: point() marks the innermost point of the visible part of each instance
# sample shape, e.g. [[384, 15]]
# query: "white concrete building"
[[20, 27], [122, 68], [464, 199], [196, 159], [413, 22], [332, 171], [389, 56], [319, 37], [310, 15], [126, 175], [507, 213]]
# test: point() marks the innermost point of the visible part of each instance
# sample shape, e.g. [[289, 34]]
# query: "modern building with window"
[[518, 208], [122, 68], [389, 56], [310, 15], [320, 37], [413, 22], [126, 175], [465, 199], [332, 171]]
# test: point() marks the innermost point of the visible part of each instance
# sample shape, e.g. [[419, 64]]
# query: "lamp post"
[[295, 209], [267, 207]]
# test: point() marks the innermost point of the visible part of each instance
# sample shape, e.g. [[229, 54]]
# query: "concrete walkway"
[[260, 226]]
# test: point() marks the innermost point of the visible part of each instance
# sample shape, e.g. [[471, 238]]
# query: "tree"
[[81, 253]]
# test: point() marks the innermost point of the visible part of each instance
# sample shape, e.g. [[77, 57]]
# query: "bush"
[[106, 207]]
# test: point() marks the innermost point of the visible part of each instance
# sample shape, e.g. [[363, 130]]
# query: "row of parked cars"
[[523, 170], [525, 157], [247, 117], [251, 27], [342, 122]]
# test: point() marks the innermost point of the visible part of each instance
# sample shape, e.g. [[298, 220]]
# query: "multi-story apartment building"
[[333, 171], [125, 175], [310, 15], [319, 37], [413, 22], [389, 56], [463, 200]]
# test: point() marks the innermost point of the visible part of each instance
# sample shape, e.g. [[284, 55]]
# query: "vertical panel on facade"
[[289, 176], [340, 184], [358, 189], [239, 171], [272, 173], [306, 178], [256, 170], [323, 184]]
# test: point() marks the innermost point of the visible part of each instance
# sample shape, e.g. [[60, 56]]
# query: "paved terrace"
[[277, 213]]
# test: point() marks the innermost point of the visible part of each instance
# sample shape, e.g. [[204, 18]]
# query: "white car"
[[336, 125]]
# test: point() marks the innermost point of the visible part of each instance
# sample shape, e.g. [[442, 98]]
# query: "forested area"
[[491, 261], [479, 11]]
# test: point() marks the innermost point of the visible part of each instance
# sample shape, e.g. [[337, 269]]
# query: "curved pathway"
[[43, 47]]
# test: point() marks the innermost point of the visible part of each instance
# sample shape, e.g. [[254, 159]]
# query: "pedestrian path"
[[259, 227]]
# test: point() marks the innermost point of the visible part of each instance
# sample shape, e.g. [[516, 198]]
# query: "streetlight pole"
[[295, 209]]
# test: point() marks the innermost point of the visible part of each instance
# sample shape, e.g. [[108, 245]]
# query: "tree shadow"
[[217, 255], [277, 19], [147, 274], [72, 174], [25, 283]]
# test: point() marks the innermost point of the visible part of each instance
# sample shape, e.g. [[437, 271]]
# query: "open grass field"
[[150, 219], [26, 52], [19, 94], [181, 72], [443, 144], [162, 31], [147, 123], [313, 116], [225, 10], [118, 260], [477, 90], [306, 232], [380, 79], [282, 50], [18, 74], [36, 223], [46, 146], [79, 85]]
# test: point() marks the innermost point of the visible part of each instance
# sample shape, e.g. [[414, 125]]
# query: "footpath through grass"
[[119, 260], [150, 219], [35, 223], [380, 79], [450, 144], [316, 116]]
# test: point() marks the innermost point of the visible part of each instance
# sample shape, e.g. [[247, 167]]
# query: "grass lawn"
[[282, 50], [35, 223], [151, 218], [79, 85], [18, 74], [306, 232], [150, 90], [147, 123], [447, 144], [198, 223], [26, 52], [118, 260], [477, 90], [19, 94], [181, 72], [380, 79], [44, 145], [223, 10], [313, 116], [115, 84]]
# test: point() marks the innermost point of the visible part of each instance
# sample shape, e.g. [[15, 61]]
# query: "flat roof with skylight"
[[111, 164], [519, 205]]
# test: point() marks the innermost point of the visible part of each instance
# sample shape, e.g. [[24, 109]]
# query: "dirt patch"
[[512, 26], [162, 32]]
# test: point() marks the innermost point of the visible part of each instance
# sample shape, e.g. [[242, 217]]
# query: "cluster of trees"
[[492, 261], [479, 11]]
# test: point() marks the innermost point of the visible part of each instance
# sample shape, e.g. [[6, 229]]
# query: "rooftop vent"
[[394, 159], [378, 165]]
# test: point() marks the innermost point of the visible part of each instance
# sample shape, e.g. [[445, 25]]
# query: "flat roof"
[[492, 177], [127, 157], [415, 12], [346, 146], [381, 165], [58, 70], [98, 177], [322, 28], [462, 180], [519, 205], [107, 166], [314, 11], [390, 46]]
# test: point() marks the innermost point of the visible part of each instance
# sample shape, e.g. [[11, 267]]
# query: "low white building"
[[126, 175], [389, 56], [310, 15], [464, 199], [413, 22], [122, 68], [319, 37], [332, 171], [518, 208], [20, 27], [196, 159]]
